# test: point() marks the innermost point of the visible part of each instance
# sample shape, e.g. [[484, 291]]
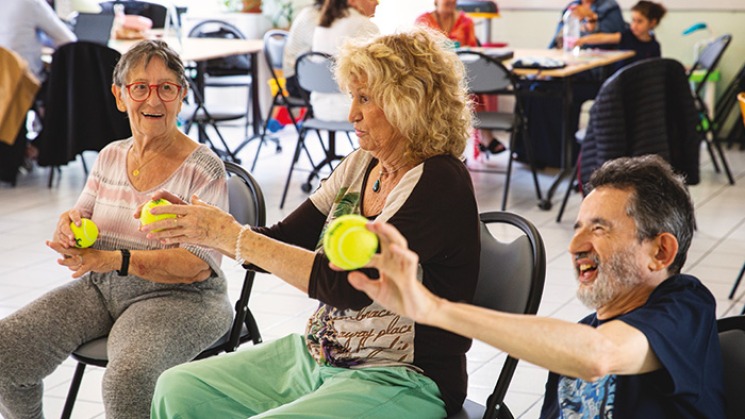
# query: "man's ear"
[[665, 249], [117, 92]]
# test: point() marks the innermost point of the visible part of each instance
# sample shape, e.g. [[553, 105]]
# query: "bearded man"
[[650, 350]]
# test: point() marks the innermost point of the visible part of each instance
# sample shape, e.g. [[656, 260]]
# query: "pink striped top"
[[110, 200]]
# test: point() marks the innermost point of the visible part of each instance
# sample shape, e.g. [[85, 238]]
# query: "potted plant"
[[243, 6]]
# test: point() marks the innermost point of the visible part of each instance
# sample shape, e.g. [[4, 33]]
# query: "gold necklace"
[[377, 185], [136, 171]]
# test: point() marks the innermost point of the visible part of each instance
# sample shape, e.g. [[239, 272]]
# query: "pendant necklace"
[[136, 171], [376, 185]]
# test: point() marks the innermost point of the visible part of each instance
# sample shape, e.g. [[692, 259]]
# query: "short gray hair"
[[146, 50], [659, 202]]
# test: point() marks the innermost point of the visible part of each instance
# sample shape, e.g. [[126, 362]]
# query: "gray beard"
[[615, 276]]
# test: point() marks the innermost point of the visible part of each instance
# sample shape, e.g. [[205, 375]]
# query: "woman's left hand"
[[199, 223], [82, 261]]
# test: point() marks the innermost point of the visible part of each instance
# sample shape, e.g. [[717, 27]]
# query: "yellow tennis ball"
[[348, 243], [86, 234], [146, 217]]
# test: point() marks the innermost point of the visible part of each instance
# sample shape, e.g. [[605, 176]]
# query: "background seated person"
[[602, 16], [638, 37], [457, 26], [160, 305], [650, 350], [299, 41], [355, 359], [340, 20]]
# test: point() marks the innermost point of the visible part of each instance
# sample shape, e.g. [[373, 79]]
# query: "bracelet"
[[238, 257], [124, 270]]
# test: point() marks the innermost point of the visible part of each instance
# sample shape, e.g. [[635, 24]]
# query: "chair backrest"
[[511, 278], [81, 112], [158, 13], [709, 58], [247, 206], [644, 108], [274, 49], [314, 72], [732, 341], [485, 74], [227, 66]]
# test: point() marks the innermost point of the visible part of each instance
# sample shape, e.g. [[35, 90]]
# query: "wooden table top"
[[586, 60]]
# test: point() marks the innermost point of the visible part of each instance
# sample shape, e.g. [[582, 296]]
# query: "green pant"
[[281, 379]]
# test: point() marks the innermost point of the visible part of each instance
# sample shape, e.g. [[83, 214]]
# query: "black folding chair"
[[511, 279], [314, 74], [488, 76], [707, 61]]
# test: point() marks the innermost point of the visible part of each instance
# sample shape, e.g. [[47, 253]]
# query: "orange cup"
[[741, 99]]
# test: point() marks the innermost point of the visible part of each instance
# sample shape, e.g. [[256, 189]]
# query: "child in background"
[[638, 37]]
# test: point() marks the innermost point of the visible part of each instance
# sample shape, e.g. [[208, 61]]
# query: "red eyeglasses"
[[166, 91]]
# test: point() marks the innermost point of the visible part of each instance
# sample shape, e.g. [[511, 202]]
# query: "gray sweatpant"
[[151, 327]]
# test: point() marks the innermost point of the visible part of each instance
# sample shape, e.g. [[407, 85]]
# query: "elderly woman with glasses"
[[160, 305]]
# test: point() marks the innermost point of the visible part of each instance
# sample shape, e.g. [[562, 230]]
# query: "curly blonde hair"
[[418, 82]]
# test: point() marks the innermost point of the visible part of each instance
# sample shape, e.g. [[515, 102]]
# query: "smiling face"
[[609, 259], [151, 118], [372, 128], [641, 26]]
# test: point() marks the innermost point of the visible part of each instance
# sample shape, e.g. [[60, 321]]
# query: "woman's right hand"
[[63, 234], [197, 223], [161, 194]]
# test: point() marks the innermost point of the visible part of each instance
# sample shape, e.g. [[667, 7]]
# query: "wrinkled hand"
[[397, 289], [199, 223], [81, 261], [162, 194], [62, 233]]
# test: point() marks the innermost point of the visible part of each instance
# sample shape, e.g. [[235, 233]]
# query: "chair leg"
[[712, 156], [85, 167], [523, 135], [570, 186], [296, 155], [72, 393], [51, 176], [725, 165], [737, 283], [253, 328]]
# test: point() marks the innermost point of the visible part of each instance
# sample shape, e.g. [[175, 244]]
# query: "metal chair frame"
[[314, 74], [709, 127], [489, 76], [511, 279]]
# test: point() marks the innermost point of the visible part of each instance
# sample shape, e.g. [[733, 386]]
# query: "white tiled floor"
[[27, 268]]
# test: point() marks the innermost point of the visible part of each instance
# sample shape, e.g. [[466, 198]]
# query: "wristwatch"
[[124, 270]]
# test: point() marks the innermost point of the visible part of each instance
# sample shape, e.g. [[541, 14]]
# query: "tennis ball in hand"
[[146, 217], [86, 234], [348, 243]]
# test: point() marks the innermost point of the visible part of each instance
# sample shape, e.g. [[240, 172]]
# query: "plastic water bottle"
[[571, 31], [118, 20]]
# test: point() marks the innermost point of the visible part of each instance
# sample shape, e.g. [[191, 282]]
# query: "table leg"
[[566, 144], [256, 118]]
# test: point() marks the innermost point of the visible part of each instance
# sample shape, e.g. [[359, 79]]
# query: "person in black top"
[[638, 37], [409, 108], [650, 350]]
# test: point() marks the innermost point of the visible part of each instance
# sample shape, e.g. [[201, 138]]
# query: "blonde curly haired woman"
[[410, 111]]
